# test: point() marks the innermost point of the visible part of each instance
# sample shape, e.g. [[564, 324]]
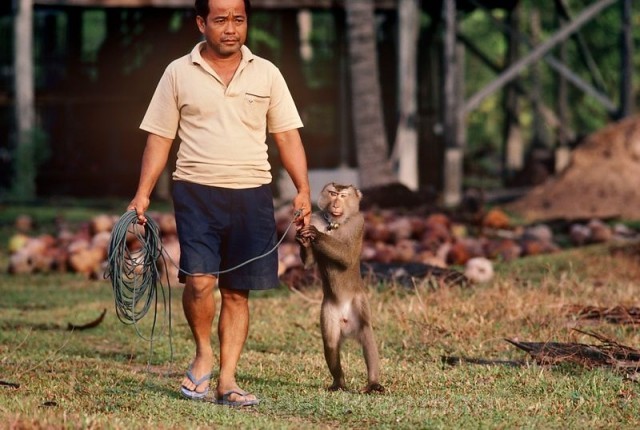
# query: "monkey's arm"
[[343, 248], [306, 254]]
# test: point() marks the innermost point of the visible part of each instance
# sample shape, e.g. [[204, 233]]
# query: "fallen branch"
[[54, 326], [92, 324], [615, 314], [609, 354]]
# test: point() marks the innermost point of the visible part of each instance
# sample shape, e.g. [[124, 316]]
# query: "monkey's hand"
[[304, 237], [309, 233], [303, 241]]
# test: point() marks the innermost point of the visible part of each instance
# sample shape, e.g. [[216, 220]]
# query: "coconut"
[[478, 270]]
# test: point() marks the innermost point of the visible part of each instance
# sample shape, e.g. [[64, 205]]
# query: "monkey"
[[333, 241]]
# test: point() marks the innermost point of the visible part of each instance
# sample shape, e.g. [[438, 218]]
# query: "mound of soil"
[[601, 181]]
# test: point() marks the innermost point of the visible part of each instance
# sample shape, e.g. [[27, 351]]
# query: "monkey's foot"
[[337, 387], [374, 388]]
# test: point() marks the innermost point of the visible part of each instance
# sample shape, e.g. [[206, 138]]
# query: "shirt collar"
[[196, 55]]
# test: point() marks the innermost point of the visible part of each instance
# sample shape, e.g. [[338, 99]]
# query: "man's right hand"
[[140, 205]]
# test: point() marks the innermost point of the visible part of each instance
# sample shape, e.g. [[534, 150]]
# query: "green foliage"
[[31, 151], [601, 37]]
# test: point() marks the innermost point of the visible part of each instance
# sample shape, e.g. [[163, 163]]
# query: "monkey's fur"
[[333, 240]]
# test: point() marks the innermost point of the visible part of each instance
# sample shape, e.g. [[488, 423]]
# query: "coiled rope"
[[135, 276]]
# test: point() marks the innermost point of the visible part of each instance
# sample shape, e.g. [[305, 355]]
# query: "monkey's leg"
[[331, 339], [371, 358]]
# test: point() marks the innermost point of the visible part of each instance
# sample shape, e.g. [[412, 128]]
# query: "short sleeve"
[[163, 115], [283, 114]]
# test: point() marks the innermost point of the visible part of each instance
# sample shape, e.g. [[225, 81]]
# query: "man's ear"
[[201, 23]]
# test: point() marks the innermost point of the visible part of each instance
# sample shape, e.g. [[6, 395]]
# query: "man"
[[221, 100]]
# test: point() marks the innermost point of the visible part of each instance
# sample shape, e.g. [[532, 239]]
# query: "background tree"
[[366, 101]]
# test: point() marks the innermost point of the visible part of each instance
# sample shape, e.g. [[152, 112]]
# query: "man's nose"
[[229, 26]]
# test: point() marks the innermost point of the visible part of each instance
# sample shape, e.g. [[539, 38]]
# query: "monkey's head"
[[339, 202]]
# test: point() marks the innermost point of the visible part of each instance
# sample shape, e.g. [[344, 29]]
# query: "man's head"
[[223, 23], [202, 8]]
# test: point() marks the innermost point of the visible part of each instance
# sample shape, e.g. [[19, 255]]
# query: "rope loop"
[[132, 266]]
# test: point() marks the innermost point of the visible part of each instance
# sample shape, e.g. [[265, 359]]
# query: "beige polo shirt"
[[222, 129]]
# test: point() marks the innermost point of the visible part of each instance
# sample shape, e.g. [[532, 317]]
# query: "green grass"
[[106, 377]]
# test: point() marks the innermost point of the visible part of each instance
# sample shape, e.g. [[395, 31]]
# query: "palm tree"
[[366, 101]]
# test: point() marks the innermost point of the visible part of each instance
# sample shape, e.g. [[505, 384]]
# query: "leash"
[[135, 276]]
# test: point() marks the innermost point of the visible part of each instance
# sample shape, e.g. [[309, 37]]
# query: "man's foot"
[[195, 385], [237, 398], [196, 393]]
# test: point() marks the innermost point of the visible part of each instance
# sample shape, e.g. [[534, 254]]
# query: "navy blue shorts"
[[220, 228]]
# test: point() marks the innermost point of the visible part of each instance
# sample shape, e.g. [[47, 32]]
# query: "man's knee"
[[200, 285], [234, 297]]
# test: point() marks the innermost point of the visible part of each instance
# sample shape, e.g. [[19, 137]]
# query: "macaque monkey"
[[333, 240]]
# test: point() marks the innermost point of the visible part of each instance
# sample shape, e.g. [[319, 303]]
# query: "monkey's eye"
[[344, 195], [333, 193]]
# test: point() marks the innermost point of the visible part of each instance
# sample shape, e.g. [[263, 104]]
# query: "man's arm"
[[154, 159], [294, 160]]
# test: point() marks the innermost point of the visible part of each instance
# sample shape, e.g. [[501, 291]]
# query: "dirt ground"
[[601, 181]]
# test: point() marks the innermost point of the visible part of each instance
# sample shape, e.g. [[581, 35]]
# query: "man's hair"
[[202, 8]]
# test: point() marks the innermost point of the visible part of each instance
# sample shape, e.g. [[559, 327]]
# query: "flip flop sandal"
[[193, 394], [224, 400]]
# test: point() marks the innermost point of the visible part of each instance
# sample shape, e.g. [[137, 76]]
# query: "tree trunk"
[[366, 101], [513, 152]]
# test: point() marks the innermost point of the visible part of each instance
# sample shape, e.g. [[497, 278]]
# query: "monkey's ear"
[[358, 193], [323, 200]]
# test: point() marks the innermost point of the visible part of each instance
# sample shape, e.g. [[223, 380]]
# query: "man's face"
[[225, 29]]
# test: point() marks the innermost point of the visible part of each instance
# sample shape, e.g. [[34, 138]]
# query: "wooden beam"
[[406, 145], [452, 111], [256, 4], [561, 68]]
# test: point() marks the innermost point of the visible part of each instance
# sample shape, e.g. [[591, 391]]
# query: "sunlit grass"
[[108, 377]]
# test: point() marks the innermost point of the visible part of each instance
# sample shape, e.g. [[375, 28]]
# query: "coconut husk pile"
[[602, 180], [83, 249], [608, 353]]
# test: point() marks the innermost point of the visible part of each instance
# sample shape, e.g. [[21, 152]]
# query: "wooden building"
[[96, 63]]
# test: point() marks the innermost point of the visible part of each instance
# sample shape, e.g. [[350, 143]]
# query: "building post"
[[24, 186], [454, 154]]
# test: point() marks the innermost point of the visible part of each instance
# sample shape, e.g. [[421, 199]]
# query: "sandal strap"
[[199, 381]]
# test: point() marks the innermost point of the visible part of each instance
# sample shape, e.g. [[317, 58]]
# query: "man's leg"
[[233, 328], [199, 308]]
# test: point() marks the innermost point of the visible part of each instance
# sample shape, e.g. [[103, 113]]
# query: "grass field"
[[107, 376]]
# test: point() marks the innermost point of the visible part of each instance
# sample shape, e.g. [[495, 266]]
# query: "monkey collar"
[[331, 225]]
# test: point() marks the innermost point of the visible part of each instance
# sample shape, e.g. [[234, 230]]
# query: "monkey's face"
[[339, 201]]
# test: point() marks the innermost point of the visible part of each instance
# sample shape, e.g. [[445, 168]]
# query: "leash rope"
[[135, 274]]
